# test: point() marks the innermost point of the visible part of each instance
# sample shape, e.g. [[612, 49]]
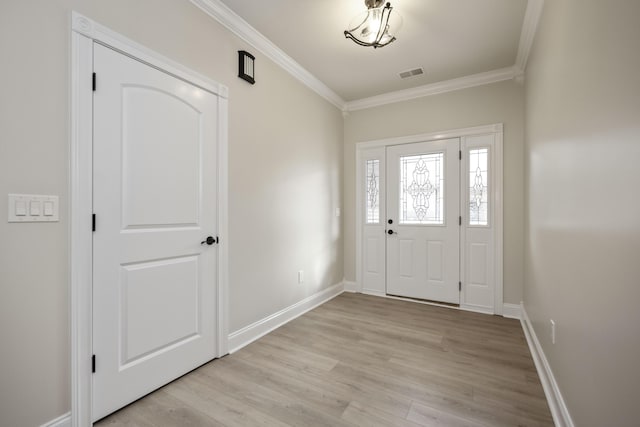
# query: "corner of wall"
[[557, 405], [262, 327]]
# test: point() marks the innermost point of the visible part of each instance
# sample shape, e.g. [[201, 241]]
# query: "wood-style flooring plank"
[[359, 360]]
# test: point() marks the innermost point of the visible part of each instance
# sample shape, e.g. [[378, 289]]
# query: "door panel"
[[478, 288], [151, 148], [406, 257], [479, 255], [145, 327], [155, 200], [373, 236], [373, 249], [435, 258], [423, 204], [478, 264]]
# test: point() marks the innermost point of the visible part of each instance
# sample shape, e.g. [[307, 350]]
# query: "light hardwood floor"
[[360, 360]]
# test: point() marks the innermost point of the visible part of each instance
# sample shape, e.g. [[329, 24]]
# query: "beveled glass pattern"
[[373, 191], [479, 186], [422, 189]]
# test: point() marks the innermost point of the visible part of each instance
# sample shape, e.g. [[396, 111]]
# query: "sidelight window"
[[373, 191], [479, 186]]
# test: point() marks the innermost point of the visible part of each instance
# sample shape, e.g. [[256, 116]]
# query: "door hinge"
[[93, 364], [460, 220], [93, 222], [460, 286], [458, 151], [93, 82]]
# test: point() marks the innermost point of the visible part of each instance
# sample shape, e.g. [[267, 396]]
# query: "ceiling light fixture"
[[376, 27]]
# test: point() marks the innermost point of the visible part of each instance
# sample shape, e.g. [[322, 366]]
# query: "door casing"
[[496, 130], [84, 32]]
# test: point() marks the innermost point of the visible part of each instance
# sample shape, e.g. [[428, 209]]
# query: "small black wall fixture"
[[246, 69]]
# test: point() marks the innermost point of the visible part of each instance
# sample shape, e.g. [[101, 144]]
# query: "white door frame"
[[497, 174], [84, 32]]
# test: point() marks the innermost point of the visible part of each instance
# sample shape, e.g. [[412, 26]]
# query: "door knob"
[[210, 240], [390, 232]]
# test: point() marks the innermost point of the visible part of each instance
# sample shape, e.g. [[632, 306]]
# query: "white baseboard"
[[61, 421], [512, 311], [559, 410], [248, 334], [350, 286]]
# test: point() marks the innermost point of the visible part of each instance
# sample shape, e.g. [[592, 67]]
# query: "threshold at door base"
[[423, 301]]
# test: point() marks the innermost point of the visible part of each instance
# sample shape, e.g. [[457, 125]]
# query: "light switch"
[[34, 208], [47, 208], [21, 208]]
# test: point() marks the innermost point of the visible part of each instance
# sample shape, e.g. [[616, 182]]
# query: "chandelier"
[[376, 27]]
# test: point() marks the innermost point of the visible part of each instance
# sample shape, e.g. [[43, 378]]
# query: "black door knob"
[[210, 241], [390, 221], [390, 232]]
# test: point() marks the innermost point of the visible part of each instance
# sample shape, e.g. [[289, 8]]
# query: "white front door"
[[423, 211], [155, 201]]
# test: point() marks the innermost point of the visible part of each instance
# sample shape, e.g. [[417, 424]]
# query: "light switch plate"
[[20, 208], [48, 208], [33, 208]]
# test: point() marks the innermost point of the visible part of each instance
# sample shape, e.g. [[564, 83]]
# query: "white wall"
[[582, 246], [496, 103], [34, 355], [285, 146]]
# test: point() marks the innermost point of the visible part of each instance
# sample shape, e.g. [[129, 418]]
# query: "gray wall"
[[496, 103], [285, 165], [582, 240]]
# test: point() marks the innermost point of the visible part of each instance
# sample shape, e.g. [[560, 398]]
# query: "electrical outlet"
[[553, 331], [300, 276]]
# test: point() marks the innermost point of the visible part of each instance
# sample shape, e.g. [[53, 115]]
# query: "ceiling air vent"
[[411, 73]]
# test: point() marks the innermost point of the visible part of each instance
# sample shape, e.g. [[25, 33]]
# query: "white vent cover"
[[411, 73]]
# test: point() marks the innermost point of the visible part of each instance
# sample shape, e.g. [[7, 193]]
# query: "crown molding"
[[241, 28], [528, 33], [431, 136], [473, 80]]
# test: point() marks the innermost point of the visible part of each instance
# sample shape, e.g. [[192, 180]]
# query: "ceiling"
[[450, 39]]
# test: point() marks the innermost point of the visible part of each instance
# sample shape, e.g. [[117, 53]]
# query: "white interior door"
[[423, 211], [155, 200]]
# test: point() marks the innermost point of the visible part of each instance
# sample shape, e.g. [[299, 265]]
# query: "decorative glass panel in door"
[[422, 189], [478, 186], [373, 191]]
